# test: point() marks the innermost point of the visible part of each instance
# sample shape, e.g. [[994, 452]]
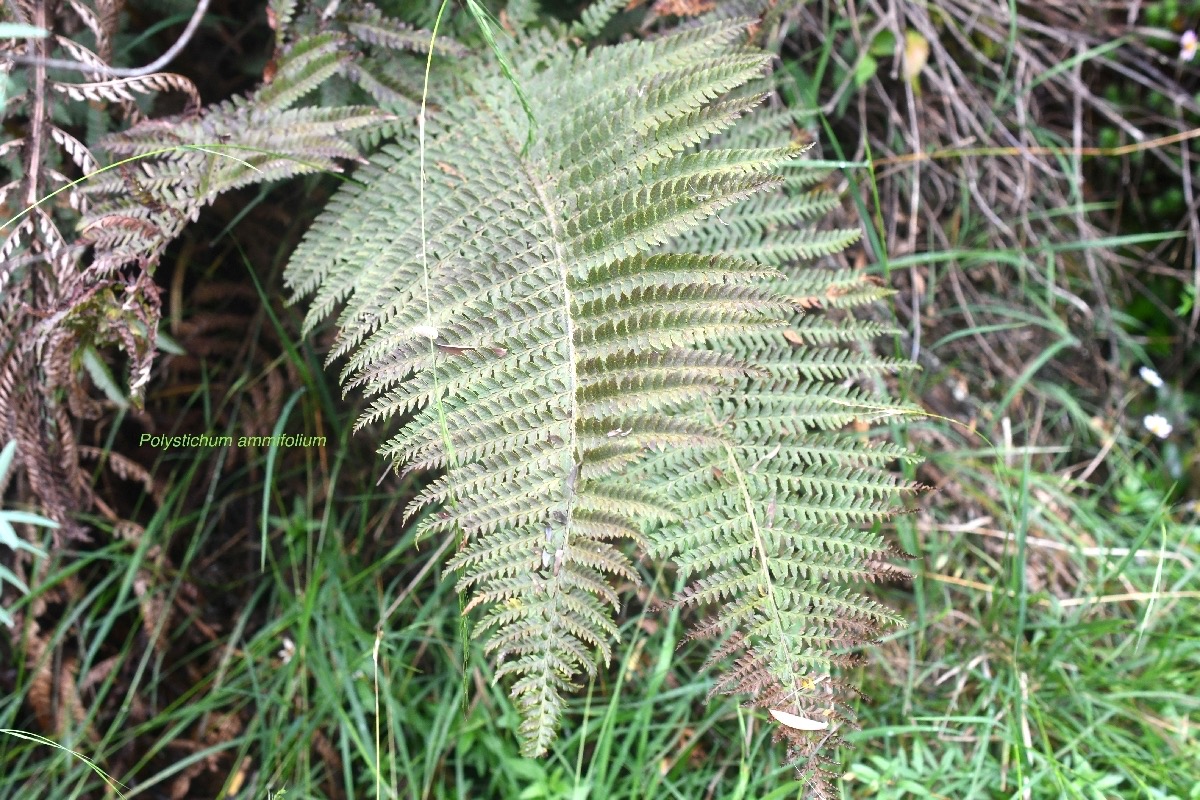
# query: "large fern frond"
[[779, 523], [594, 341]]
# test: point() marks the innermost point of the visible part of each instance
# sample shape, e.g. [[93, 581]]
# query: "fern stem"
[[760, 544]]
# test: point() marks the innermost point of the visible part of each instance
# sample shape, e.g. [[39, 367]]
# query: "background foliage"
[[1044, 245]]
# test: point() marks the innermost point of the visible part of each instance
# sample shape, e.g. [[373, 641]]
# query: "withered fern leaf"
[[610, 338]]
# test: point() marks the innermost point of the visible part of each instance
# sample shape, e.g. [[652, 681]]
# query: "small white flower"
[[287, 651], [1158, 425], [1151, 377], [1187, 46], [428, 331]]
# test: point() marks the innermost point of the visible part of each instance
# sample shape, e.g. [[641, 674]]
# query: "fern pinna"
[[599, 338]]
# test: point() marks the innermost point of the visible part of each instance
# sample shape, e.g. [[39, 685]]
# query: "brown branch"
[[37, 119]]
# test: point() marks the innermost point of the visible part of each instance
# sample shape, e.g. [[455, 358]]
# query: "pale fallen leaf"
[[798, 722], [916, 55]]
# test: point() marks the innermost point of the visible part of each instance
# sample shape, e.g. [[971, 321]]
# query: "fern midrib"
[[761, 546], [558, 246], [561, 254]]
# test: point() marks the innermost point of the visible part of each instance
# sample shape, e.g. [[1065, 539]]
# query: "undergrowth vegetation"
[[1019, 156], [269, 621]]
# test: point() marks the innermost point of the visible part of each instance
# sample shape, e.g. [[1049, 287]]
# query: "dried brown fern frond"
[[59, 312]]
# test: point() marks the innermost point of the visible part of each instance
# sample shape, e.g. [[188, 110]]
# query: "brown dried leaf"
[[683, 8], [75, 149], [119, 90], [125, 468]]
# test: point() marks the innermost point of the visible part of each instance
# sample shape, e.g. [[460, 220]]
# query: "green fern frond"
[[816, 329], [280, 14], [393, 83], [596, 341], [821, 364], [596, 16], [308, 64], [230, 145], [368, 24]]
